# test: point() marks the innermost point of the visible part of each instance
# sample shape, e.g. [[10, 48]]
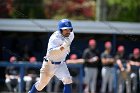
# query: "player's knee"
[[67, 80], [27, 78]]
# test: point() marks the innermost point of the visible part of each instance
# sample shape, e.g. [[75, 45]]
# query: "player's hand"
[[93, 59], [66, 43], [137, 64], [122, 69]]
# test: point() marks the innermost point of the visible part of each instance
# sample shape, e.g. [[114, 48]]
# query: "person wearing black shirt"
[[31, 74], [107, 70], [123, 71], [91, 56], [134, 60], [12, 76]]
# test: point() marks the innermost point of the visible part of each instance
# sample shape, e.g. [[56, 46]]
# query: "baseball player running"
[[53, 64]]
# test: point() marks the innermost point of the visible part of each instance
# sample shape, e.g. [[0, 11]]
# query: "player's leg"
[[87, 79], [28, 82], [105, 77], [94, 72], [8, 84], [120, 83], [110, 81], [46, 73], [133, 78], [62, 73], [128, 84]]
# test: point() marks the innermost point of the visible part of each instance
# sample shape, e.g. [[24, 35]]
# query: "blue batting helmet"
[[64, 24]]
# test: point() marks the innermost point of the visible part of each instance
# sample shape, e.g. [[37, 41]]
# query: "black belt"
[[57, 63]]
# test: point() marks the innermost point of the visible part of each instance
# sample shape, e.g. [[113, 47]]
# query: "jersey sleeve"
[[53, 44], [71, 37], [85, 55]]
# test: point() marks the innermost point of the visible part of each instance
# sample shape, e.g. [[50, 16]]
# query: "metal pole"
[[21, 79], [114, 43], [81, 79]]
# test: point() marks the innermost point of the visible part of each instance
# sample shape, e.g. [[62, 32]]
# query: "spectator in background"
[[74, 60], [123, 71], [108, 69], [12, 76], [74, 71], [91, 56], [134, 60], [31, 74]]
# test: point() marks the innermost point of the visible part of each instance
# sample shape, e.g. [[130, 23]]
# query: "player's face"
[[66, 32], [93, 46]]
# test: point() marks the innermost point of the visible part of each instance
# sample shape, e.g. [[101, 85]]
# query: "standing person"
[[134, 60], [54, 61], [91, 56], [123, 71], [107, 70]]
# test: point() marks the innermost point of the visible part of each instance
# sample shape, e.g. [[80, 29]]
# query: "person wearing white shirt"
[[54, 61]]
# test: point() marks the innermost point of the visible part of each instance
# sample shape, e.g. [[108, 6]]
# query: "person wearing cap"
[[123, 71], [107, 60], [12, 76], [91, 57], [134, 60], [54, 61]]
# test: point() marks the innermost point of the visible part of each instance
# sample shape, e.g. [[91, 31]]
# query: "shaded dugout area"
[[35, 44]]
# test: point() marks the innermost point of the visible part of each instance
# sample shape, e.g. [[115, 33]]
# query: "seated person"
[[12, 76], [31, 75]]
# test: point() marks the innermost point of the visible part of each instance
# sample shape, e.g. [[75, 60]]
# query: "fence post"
[[81, 79], [21, 79]]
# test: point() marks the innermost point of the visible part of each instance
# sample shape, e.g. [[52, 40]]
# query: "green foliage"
[[54, 9], [28, 9], [124, 10]]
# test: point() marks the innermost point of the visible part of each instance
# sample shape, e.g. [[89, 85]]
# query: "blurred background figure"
[[134, 60], [123, 71], [74, 71], [91, 56], [74, 59], [12, 76], [108, 69], [31, 74]]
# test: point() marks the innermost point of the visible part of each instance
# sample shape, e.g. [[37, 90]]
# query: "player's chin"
[[67, 35]]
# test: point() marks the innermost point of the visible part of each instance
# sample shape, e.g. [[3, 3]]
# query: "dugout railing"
[[23, 65]]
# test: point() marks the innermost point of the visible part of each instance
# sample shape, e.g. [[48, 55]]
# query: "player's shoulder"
[[55, 35], [71, 36], [87, 50]]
